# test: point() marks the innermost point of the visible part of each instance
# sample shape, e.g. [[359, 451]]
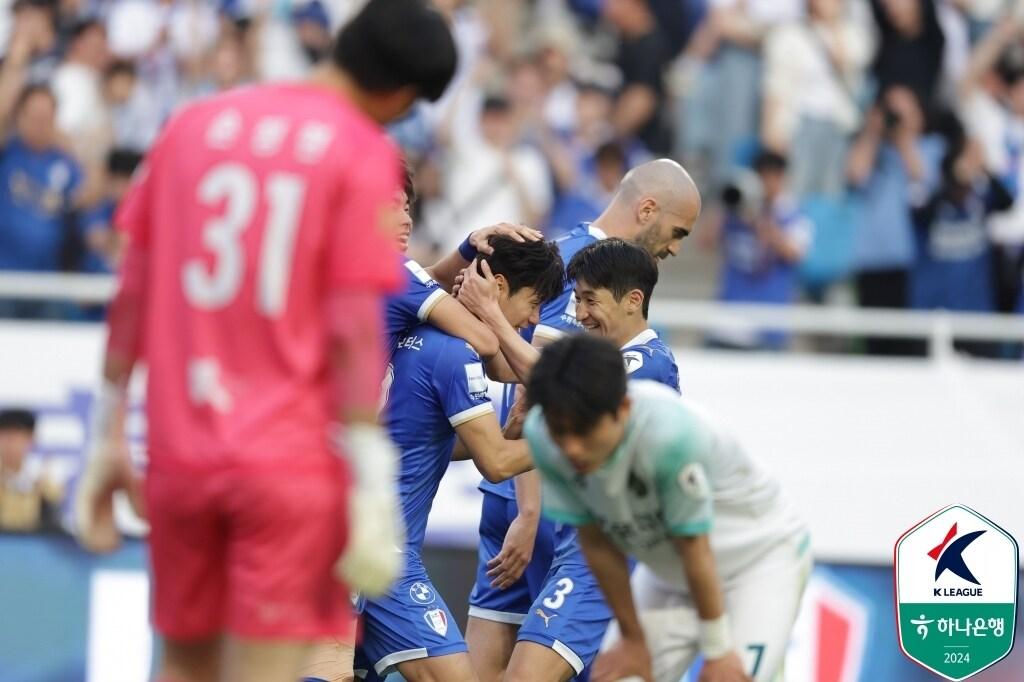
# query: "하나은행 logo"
[[956, 578]]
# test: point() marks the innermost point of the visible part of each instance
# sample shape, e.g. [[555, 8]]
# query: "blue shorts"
[[569, 616], [408, 623], [513, 603]]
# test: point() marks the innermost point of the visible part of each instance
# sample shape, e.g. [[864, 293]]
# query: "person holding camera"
[[763, 236], [893, 165]]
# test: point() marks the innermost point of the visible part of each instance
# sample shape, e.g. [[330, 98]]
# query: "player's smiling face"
[[588, 451], [400, 220], [598, 311]]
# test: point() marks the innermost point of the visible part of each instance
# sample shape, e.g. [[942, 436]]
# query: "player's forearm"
[[447, 269], [501, 462], [357, 355], [528, 495], [519, 354], [608, 564], [701, 575], [125, 317]]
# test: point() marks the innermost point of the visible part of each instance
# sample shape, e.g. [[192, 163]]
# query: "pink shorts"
[[250, 553]]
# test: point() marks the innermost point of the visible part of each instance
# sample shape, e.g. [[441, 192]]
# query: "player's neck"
[[613, 223], [630, 331], [332, 78]]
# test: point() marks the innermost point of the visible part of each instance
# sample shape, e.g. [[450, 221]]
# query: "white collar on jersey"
[[643, 337], [596, 231]]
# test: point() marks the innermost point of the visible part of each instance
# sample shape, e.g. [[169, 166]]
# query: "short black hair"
[[618, 266], [527, 264], [14, 419], [120, 67], [611, 152], [83, 26], [408, 186], [767, 161], [122, 161], [391, 44], [576, 380]]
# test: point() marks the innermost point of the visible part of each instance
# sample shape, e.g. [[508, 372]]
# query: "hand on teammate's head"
[[480, 239]]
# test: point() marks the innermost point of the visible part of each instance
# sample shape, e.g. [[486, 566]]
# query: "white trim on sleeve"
[[471, 414], [428, 305], [548, 332]]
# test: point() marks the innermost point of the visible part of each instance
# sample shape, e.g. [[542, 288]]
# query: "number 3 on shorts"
[[562, 588]]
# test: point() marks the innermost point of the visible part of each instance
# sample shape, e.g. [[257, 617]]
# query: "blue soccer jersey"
[[438, 384], [647, 357], [404, 311], [511, 605], [557, 318]]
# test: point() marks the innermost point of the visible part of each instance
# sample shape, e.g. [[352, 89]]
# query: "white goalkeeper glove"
[[107, 469], [373, 558]]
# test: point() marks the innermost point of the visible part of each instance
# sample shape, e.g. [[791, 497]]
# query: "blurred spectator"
[[911, 45], [39, 183], [229, 67], [642, 56], [27, 497], [993, 109], [591, 194], [96, 225], [720, 122], [952, 270], [892, 164], [763, 237], [813, 71], [32, 41], [135, 115], [490, 176]]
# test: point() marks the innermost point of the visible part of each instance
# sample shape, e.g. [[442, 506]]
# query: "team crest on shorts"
[[956, 592], [437, 619], [422, 594]]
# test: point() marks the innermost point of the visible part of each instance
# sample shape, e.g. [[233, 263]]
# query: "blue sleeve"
[[420, 296], [460, 383], [558, 316]]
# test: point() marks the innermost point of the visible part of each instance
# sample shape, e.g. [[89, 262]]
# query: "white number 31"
[[238, 187]]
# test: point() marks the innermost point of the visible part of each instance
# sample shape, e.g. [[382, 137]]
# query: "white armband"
[[715, 637]]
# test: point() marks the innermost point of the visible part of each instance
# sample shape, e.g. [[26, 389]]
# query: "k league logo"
[[956, 592]]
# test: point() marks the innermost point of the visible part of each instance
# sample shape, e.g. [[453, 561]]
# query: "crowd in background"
[[874, 143]]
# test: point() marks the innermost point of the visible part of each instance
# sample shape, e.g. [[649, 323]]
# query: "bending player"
[[440, 392], [252, 286], [723, 558], [654, 208]]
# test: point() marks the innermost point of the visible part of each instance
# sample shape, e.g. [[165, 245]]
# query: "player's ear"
[[502, 284], [635, 301], [647, 210]]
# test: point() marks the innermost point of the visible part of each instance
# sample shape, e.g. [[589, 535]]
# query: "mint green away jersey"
[[676, 473]]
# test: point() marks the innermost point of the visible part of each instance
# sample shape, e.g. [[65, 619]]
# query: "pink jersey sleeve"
[[360, 254]]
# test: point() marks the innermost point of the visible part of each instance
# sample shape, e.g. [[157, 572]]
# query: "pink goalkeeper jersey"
[[253, 207]]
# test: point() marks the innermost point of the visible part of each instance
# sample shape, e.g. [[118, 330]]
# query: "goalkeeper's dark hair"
[[576, 381], [618, 266], [527, 264], [391, 44]]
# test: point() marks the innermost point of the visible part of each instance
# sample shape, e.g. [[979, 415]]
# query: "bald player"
[[535, 612]]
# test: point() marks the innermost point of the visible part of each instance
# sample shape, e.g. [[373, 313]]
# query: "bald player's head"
[[663, 203]]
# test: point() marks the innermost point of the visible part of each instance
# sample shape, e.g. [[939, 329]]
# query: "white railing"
[[938, 328]]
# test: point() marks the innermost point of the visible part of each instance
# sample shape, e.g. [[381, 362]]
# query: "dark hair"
[[83, 26], [495, 102], [391, 44], [577, 380], [528, 264], [17, 420], [120, 67], [618, 266], [767, 161], [30, 91], [408, 186], [123, 161], [610, 152]]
